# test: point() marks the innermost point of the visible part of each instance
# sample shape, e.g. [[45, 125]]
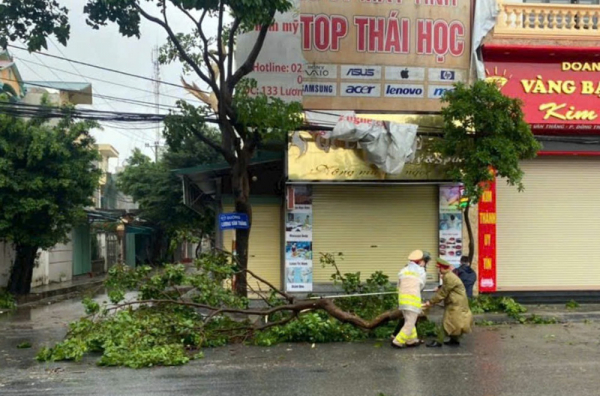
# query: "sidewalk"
[[79, 285], [66, 289]]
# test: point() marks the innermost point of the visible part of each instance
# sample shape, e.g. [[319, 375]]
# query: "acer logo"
[[359, 72], [360, 89]]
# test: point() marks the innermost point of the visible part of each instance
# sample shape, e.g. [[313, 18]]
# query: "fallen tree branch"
[[326, 305], [288, 298]]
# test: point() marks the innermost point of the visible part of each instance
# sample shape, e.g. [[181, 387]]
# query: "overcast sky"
[[107, 48]]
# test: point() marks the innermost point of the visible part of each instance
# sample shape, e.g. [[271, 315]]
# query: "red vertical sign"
[[290, 198], [487, 239]]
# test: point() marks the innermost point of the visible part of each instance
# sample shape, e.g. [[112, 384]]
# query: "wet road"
[[519, 360]]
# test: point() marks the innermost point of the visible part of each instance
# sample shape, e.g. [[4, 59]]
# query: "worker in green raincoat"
[[458, 319]]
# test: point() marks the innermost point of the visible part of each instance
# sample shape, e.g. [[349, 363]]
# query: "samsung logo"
[[319, 89]]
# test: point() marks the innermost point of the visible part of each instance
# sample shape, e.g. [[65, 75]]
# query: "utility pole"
[[156, 77]]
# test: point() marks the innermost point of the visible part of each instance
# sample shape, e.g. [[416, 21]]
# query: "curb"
[[560, 317], [68, 292], [500, 318]]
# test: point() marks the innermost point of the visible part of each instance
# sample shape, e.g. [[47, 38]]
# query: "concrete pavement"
[[504, 360]]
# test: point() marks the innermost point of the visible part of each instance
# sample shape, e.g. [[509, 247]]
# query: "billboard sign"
[[351, 54]]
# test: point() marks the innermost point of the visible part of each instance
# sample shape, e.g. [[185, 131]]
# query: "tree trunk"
[[241, 193], [22, 271], [467, 220]]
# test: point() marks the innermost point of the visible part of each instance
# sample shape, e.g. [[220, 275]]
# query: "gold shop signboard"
[[310, 157]]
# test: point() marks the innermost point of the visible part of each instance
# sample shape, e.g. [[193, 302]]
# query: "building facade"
[[546, 54], [539, 243], [87, 251]]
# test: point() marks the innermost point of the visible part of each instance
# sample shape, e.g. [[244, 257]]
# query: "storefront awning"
[[202, 184]]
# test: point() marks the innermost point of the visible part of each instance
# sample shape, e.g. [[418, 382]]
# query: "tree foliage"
[[178, 312], [158, 193], [484, 128], [32, 21], [47, 177], [185, 150], [485, 136], [244, 122], [157, 190], [7, 300]]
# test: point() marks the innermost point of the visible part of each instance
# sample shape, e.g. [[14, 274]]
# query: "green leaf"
[[33, 21], [24, 345]]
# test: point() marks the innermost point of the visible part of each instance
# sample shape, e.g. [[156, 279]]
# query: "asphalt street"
[[547, 360]]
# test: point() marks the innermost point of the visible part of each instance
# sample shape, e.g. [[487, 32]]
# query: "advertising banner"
[[364, 54], [487, 240], [451, 221], [312, 158], [558, 96], [298, 239]]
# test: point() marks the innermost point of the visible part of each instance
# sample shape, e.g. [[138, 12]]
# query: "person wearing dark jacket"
[[466, 274]]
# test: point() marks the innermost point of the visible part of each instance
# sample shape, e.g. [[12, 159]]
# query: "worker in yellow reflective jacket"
[[411, 281]]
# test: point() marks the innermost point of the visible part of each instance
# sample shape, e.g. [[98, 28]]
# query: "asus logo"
[[359, 72]]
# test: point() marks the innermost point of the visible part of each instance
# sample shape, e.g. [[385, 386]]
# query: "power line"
[[94, 90], [105, 81], [48, 112], [114, 98], [27, 110], [104, 68], [51, 71], [32, 70]]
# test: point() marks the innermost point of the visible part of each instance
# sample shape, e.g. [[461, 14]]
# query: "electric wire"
[[106, 81], [28, 110], [94, 90], [104, 68]]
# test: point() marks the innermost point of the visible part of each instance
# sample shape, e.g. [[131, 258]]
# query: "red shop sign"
[[558, 95], [487, 239]]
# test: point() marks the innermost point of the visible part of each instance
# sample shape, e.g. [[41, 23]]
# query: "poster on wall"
[[298, 239], [487, 239], [450, 227], [363, 55]]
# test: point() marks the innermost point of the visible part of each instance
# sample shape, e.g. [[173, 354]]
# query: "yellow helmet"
[[416, 255]]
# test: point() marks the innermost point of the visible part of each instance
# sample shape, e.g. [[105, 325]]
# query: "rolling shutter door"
[[375, 227], [549, 235], [265, 243]]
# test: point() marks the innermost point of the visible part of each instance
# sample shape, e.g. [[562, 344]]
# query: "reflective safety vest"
[[411, 280]]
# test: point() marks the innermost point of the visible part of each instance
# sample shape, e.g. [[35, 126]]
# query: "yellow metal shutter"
[[376, 227], [265, 243], [548, 236]]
